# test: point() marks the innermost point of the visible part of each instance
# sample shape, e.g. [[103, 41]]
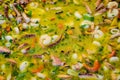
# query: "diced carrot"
[[0, 33], [52, 19], [60, 26], [70, 32], [47, 78], [1, 78], [34, 61], [33, 43], [44, 1], [7, 28], [38, 69]]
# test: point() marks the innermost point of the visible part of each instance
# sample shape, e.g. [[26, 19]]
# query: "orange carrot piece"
[[60, 26], [1, 78], [52, 19], [44, 1], [38, 69], [70, 32]]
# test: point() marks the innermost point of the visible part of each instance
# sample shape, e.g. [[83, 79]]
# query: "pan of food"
[[59, 39]]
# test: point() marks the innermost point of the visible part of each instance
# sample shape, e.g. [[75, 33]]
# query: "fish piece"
[[22, 45], [56, 61], [25, 17], [4, 50]]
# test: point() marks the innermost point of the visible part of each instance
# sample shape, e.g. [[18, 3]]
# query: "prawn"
[[112, 54], [95, 67]]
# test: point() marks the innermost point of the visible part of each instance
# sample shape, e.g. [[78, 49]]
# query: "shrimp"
[[109, 56], [112, 54], [95, 67]]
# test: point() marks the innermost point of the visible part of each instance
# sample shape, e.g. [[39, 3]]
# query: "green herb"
[[19, 8], [72, 72], [88, 17], [119, 6], [31, 51], [11, 41], [1, 17], [55, 69], [29, 13], [84, 26], [21, 76]]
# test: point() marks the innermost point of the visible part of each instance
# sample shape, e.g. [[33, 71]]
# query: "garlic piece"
[[74, 56], [41, 75], [96, 43], [8, 44], [8, 38], [114, 59], [77, 15], [34, 24], [16, 29], [34, 20], [25, 25]]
